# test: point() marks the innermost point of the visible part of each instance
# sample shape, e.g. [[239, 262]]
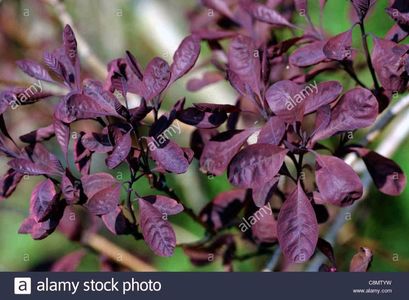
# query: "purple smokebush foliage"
[[269, 144]]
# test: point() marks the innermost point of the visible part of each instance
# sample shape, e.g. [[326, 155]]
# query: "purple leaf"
[[166, 205], [245, 63], [256, 165], [123, 143], [103, 193], [195, 84], [337, 182], [388, 59], [361, 261], [38, 161], [171, 157], [157, 232], [265, 229], [219, 151], [43, 199], [262, 193], [69, 262], [327, 92], [339, 46], [308, 55], [272, 132], [286, 100], [357, 108], [70, 45], [297, 227], [34, 70], [362, 7], [185, 57], [97, 142], [265, 14], [155, 78], [80, 106], [9, 182], [220, 6], [62, 133]]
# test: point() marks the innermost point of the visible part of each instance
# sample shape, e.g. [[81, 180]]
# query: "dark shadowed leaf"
[[202, 119], [38, 135], [40, 230], [70, 188], [308, 55], [339, 46], [116, 222], [165, 205], [157, 232], [256, 165], [185, 57], [386, 174], [219, 151], [297, 227], [9, 182], [223, 208], [199, 139], [43, 199], [82, 156], [361, 261], [69, 262], [337, 182], [103, 193], [327, 250]]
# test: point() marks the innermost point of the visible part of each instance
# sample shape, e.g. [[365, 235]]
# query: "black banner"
[[43, 285]]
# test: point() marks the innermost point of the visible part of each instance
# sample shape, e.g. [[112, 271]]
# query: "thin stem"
[[368, 55], [353, 75]]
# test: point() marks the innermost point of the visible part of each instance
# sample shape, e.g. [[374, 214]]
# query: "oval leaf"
[[256, 165], [297, 227], [337, 182], [157, 232]]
